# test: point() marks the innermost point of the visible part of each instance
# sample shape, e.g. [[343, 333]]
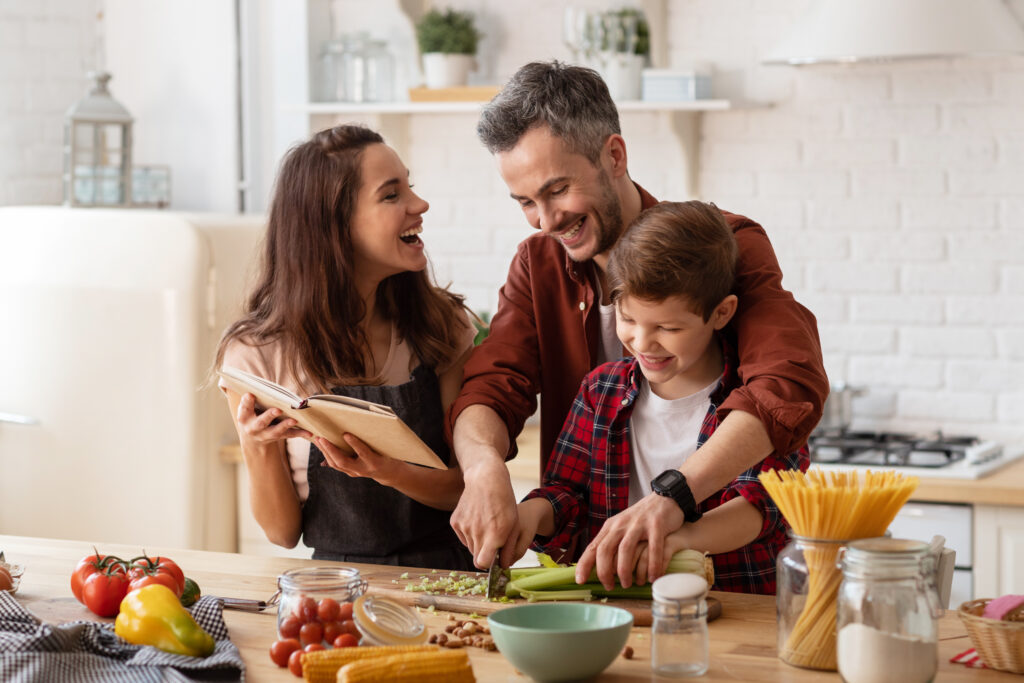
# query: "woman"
[[344, 303]]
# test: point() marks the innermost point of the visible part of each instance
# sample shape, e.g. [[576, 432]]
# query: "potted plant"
[[447, 42]]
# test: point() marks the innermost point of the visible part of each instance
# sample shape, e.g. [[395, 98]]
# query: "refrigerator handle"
[[18, 419]]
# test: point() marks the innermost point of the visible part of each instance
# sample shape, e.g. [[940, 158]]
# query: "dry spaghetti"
[[833, 506]]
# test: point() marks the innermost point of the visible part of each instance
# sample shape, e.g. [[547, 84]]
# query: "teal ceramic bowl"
[[560, 641]]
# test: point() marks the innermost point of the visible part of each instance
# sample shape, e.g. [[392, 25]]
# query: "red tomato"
[[159, 570], [160, 578], [306, 610], [311, 632], [281, 650], [290, 627], [90, 565], [102, 593], [332, 629], [313, 647], [295, 663], [328, 609], [344, 611], [349, 626], [346, 640]]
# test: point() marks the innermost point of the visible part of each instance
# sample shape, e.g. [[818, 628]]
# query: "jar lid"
[[679, 587], [388, 622], [885, 556], [887, 546]]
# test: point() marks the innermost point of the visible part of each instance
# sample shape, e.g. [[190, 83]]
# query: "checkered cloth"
[[91, 652]]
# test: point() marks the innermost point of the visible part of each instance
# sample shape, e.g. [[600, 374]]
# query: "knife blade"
[[496, 578]]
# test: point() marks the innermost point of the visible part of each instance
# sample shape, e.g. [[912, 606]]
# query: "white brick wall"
[[46, 48]]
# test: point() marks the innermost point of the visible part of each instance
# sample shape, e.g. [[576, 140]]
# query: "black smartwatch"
[[672, 484]]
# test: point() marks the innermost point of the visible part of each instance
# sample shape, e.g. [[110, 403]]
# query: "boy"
[[671, 277]]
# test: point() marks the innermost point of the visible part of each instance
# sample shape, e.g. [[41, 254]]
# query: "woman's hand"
[[257, 428], [365, 462]]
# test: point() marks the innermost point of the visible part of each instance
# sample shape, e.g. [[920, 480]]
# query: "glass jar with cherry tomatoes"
[[316, 603]]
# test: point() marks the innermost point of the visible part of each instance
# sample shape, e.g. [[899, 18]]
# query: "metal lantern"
[[98, 149]]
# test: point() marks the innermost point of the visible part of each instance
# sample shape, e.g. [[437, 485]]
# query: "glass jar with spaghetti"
[[888, 611], [807, 582]]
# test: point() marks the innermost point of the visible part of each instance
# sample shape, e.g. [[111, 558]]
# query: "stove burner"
[[893, 449]]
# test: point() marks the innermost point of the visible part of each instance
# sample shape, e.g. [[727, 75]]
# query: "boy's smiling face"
[[675, 346]]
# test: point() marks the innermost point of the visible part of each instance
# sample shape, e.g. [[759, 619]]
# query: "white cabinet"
[[998, 550]]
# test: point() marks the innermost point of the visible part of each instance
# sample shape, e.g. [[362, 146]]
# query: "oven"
[[932, 455]]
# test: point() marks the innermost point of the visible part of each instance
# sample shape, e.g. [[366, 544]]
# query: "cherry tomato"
[[328, 609], [344, 611], [290, 627], [313, 647], [306, 610], [311, 632], [332, 629], [281, 650], [346, 640], [102, 593], [6, 581], [349, 626], [90, 565], [295, 663]]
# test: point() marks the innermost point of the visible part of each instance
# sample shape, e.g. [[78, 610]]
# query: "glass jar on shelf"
[[888, 611], [315, 595], [379, 67], [807, 584], [330, 85]]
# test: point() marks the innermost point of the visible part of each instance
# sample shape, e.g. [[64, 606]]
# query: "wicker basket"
[[999, 643]]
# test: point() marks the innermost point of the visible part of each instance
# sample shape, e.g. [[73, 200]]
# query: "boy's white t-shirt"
[[663, 434]]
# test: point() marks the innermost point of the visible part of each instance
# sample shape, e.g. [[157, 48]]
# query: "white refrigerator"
[[108, 324]]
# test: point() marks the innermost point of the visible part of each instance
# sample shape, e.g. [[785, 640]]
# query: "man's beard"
[[608, 226]]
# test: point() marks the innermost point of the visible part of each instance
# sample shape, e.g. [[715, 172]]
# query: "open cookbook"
[[329, 416]]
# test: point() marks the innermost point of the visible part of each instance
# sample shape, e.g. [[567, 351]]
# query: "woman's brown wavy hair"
[[305, 297]]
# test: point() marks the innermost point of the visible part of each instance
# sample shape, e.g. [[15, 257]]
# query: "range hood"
[[849, 31]]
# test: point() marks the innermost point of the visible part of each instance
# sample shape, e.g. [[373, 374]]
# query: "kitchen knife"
[[496, 578]]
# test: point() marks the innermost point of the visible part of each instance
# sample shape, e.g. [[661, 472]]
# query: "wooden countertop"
[[742, 640]]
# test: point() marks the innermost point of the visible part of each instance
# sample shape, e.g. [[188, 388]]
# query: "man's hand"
[[614, 550], [486, 519]]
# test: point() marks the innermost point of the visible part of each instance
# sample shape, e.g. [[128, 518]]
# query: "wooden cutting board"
[[388, 582]]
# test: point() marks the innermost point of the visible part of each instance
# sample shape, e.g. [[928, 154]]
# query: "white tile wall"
[[46, 48], [894, 194]]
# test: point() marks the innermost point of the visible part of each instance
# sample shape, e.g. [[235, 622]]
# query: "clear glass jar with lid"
[[315, 595], [888, 612], [679, 631], [379, 72]]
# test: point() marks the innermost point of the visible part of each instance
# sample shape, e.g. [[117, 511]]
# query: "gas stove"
[[936, 455]]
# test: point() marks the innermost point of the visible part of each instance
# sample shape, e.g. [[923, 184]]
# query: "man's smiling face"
[[562, 193]]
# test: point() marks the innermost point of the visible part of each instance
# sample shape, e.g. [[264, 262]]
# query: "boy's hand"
[[531, 513], [614, 549], [674, 542]]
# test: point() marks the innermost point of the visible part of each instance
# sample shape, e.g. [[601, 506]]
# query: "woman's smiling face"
[[388, 217]]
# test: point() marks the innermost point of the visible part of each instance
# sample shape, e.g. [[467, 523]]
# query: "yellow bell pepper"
[[153, 615]]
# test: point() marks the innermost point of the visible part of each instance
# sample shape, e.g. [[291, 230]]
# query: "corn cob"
[[322, 666], [440, 666]]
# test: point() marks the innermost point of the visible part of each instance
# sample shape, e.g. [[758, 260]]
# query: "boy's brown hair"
[[676, 249]]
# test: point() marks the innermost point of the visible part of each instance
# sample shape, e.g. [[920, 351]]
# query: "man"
[[555, 134]]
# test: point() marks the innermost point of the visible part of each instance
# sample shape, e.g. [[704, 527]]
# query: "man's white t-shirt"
[[663, 434]]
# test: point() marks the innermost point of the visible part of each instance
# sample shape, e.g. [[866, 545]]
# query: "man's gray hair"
[[572, 101]]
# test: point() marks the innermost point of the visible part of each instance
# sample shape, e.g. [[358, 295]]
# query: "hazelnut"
[[432, 639], [442, 639], [628, 652], [454, 643], [471, 627]]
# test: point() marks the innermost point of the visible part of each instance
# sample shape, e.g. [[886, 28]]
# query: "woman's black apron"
[[356, 519]]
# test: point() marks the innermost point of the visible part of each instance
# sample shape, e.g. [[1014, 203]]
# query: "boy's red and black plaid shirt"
[[587, 477]]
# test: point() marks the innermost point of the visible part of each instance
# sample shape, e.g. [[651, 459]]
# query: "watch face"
[[666, 480]]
